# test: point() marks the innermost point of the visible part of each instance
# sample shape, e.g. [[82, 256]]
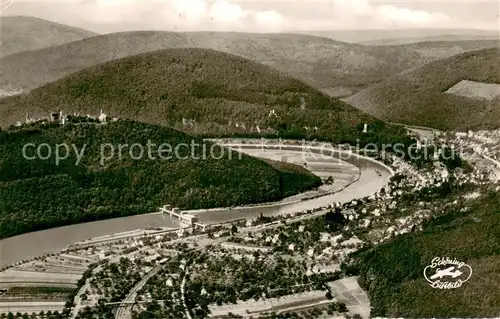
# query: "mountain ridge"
[[321, 62], [202, 92], [418, 96], [26, 33]]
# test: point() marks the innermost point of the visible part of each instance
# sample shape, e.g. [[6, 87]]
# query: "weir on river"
[[53, 240], [185, 219]]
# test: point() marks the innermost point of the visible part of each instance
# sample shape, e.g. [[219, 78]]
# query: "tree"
[[256, 255], [335, 220], [329, 180], [342, 307], [146, 315], [234, 229]]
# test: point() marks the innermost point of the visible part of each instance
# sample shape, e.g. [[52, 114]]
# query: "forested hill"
[[320, 62], [37, 194], [421, 96], [393, 272], [203, 92]]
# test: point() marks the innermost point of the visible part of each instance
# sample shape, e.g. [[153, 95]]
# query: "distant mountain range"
[[437, 50], [203, 92], [21, 33], [404, 36], [339, 68], [320, 62]]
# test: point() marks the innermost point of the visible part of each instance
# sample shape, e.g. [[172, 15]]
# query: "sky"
[[261, 15]]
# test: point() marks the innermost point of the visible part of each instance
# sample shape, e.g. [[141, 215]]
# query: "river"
[[34, 244]]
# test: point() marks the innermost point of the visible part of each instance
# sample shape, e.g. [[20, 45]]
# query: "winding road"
[[77, 300]]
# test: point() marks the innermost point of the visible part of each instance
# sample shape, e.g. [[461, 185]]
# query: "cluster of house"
[[481, 144], [62, 118]]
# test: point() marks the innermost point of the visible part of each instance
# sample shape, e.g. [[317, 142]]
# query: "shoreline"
[[55, 239]]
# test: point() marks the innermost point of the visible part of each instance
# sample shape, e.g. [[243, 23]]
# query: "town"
[[172, 272], [228, 159]]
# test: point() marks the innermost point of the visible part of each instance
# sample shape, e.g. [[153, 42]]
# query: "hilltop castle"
[[61, 118]]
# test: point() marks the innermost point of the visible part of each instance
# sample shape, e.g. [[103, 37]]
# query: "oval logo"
[[447, 273]]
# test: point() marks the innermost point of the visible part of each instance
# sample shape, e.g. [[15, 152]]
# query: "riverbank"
[[353, 174], [30, 245]]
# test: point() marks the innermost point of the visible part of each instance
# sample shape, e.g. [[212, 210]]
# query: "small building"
[[104, 253], [102, 117], [188, 220], [54, 117]]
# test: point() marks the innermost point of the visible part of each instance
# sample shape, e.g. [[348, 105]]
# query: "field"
[[475, 90]]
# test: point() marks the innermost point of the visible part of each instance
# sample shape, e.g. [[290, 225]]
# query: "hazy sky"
[[261, 15]]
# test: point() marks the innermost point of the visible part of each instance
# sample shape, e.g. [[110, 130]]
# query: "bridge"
[[125, 303]]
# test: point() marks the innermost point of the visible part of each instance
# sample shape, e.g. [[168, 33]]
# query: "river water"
[[34, 244]]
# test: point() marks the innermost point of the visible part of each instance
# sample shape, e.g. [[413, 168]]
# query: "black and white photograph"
[[258, 159]]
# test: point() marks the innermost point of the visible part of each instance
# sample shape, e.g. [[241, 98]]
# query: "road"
[[183, 284], [125, 312], [81, 291], [368, 183], [494, 161]]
